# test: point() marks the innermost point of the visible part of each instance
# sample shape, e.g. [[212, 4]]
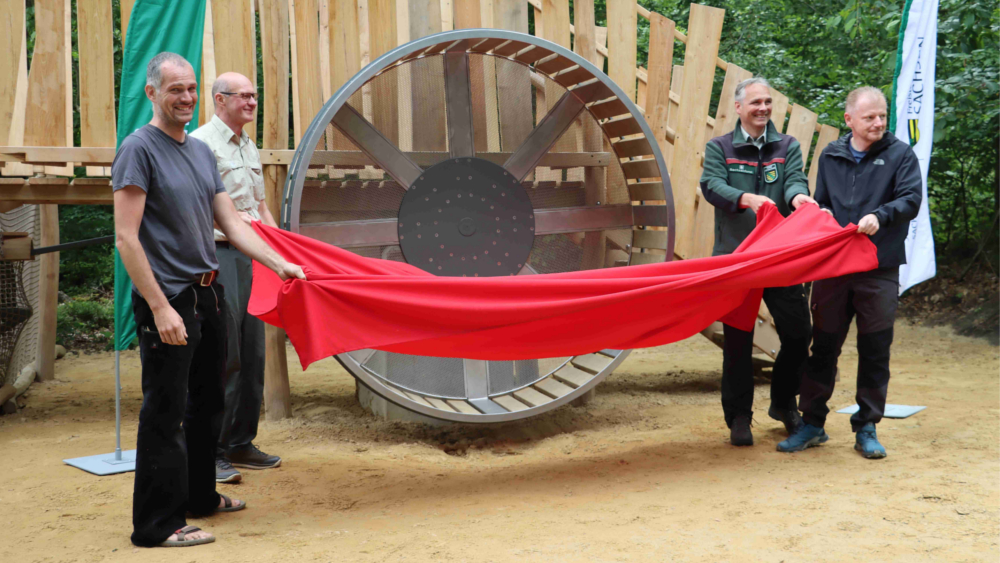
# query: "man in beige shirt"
[[239, 165]]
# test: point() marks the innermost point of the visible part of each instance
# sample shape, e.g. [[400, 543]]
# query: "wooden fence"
[[321, 44]]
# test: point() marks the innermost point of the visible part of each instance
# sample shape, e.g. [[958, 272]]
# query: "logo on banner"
[[914, 128], [771, 173]]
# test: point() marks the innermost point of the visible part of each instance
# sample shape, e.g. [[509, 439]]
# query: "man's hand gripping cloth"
[[349, 302]]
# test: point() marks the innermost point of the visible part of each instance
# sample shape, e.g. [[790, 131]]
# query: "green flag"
[[154, 26]]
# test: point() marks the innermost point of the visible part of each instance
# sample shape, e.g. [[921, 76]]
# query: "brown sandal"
[[229, 507], [182, 540]]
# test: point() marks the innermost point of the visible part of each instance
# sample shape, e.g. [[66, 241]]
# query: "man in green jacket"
[[750, 167]]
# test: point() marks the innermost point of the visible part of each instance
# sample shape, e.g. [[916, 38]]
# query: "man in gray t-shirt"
[[167, 194]]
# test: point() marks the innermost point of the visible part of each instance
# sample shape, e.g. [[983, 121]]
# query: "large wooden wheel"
[[479, 153]]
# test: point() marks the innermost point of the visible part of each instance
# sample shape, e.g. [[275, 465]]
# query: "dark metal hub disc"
[[466, 217]]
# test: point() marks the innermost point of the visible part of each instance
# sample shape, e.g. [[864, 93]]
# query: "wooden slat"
[[802, 126], [827, 135], [592, 363], [510, 403], [661, 56], [462, 407], [75, 193], [622, 127], [573, 376], [585, 44], [779, 109], [673, 115], [552, 387], [622, 35], [490, 81], [236, 44], [381, 39], [468, 16], [608, 109], [554, 64], [417, 398], [649, 239], [126, 13], [439, 404], [49, 93], [208, 73], [306, 72], [513, 85], [641, 169], [429, 122], [645, 191], [13, 80], [650, 215], [532, 397], [704, 34], [632, 147], [95, 26]]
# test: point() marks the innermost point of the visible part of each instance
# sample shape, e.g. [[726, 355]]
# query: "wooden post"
[[595, 179], [208, 73], [802, 126], [429, 122], [704, 34], [126, 13], [779, 109], [468, 15], [661, 63], [97, 78], [13, 81], [827, 135], [274, 37], [622, 34], [382, 37], [235, 43], [513, 85], [48, 292]]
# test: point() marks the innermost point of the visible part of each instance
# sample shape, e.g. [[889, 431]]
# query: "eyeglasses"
[[245, 96]]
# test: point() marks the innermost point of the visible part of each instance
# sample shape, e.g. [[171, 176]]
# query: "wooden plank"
[[704, 34], [72, 194], [532, 397], [48, 289], [622, 35], [802, 126], [585, 44], [779, 109], [345, 53], [429, 122], [673, 115], [661, 62], [447, 15], [827, 135], [95, 29], [49, 93], [306, 72], [208, 73], [646, 191], [510, 403], [513, 85], [13, 81], [382, 38], [649, 239], [439, 404], [555, 28], [467, 14], [553, 387], [642, 258], [592, 363], [235, 42], [417, 398], [462, 406], [573, 376], [492, 115]]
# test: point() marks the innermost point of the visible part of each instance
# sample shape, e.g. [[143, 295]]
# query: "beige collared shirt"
[[239, 166]]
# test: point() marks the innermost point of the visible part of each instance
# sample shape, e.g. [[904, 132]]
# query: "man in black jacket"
[[750, 167], [872, 179]]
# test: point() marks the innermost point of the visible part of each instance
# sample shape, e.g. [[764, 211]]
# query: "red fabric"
[[350, 302]]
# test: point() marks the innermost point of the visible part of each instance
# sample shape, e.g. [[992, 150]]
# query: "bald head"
[[235, 99]]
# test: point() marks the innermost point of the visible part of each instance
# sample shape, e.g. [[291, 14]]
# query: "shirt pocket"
[[257, 179]]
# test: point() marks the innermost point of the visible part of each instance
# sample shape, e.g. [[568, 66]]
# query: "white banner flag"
[[913, 114]]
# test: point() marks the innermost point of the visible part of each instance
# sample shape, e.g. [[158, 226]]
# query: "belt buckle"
[[207, 278]]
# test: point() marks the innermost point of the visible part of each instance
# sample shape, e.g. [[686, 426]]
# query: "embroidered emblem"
[[771, 173], [879, 162]]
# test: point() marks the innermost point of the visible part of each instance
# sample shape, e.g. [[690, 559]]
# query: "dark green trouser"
[[245, 360]]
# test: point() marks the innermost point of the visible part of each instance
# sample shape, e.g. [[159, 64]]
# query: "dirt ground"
[[642, 473]]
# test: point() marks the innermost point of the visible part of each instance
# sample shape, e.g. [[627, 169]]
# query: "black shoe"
[[224, 472], [789, 417], [251, 457], [739, 432]]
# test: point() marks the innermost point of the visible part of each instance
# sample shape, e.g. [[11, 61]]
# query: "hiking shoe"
[[251, 457], [805, 437], [225, 473], [867, 442], [739, 432], [789, 417]]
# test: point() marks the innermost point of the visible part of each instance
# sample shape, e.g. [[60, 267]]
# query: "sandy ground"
[[643, 473]]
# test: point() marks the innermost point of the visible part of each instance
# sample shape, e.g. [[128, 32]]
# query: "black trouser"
[[790, 309], [245, 363], [873, 297], [182, 401]]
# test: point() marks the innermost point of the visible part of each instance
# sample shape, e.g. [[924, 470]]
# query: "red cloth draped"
[[350, 302]]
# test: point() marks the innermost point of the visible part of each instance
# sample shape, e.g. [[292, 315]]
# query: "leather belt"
[[206, 279], [222, 244]]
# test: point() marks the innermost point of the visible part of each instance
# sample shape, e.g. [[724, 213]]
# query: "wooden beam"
[[827, 135], [48, 293], [82, 191], [97, 77], [277, 394], [704, 34], [622, 36]]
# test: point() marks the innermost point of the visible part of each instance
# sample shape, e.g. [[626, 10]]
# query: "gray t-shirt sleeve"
[[131, 166]]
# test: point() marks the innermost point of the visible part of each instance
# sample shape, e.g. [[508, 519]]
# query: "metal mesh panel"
[[18, 299], [443, 377]]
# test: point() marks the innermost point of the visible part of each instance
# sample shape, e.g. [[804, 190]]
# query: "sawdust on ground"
[[642, 473]]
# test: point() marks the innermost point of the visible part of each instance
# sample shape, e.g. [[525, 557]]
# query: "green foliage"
[[87, 322], [90, 269]]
